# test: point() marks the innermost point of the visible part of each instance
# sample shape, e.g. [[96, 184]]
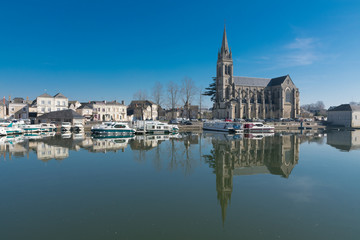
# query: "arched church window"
[[288, 96]]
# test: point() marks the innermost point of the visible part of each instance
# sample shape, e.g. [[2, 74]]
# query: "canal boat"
[[30, 128], [223, 126], [47, 127], [13, 129], [66, 127], [156, 127], [257, 127], [112, 128]]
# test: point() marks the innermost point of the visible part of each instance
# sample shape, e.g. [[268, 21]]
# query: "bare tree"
[[173, 96], [188, 91], [157, 95], [140, 95]]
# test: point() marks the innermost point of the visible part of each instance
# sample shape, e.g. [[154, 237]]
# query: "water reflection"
[[276, 155], [344, 140], [228, 155]]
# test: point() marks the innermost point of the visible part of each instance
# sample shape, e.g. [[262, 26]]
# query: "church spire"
[[225, 52], [224, 45]]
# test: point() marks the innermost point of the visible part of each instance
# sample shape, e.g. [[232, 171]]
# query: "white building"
[[46, 103], [143, 110], [18, 109], [108, 111], [345, 115]]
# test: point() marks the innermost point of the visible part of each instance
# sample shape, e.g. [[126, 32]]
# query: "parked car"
[[174, 121]]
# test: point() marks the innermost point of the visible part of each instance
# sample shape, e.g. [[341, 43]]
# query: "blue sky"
[[106, 50]]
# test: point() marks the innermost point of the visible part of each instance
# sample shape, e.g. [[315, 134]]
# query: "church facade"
[[252, 98]]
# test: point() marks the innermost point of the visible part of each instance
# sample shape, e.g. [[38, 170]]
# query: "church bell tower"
[[224, 71]]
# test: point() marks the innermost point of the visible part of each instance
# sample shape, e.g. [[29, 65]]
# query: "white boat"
[[156, 127], [3, 131], [13, 129], [78, 127], [66, 127], [258, 127], [112, 128], [29, 128], [222, 126], [47, 127]]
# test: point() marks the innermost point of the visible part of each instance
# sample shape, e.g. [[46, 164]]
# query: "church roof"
[[251, 81], [277, 81], [259, 82]]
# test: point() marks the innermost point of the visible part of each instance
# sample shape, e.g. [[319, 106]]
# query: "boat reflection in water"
[[260, 154]]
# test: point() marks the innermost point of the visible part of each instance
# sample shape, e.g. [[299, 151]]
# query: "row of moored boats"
[[120, 128], [20, 127], [237, 127]]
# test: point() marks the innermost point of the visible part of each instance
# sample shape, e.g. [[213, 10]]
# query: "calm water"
[[187, 186]]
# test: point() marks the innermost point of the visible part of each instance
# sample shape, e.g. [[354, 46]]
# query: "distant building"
[[3, 110], [143, 110], [58, 117], [46, 103], [74, 105], [190, 111], [85, 110], [108, 111], [249, 97], [18, 108], [345, 115]]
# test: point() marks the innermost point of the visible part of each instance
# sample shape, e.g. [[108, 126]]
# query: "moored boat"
[[47, 127], [223, 126], [258, 127], [29, 128], [13, 129], [156, 127], [112, 128]]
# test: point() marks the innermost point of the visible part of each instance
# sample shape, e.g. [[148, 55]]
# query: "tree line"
[[172, 95]]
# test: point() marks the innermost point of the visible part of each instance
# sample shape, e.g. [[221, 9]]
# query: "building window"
[[49, 102], [58, 103], [42, 102], [49, 109], [288, 96], [63, 103], [43, 109]]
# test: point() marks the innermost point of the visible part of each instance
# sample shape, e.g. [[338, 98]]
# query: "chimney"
[[27, 98], [9, 98], [4, 100], [122, 102]]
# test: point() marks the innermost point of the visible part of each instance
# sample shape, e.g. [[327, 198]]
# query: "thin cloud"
[[302, 51]]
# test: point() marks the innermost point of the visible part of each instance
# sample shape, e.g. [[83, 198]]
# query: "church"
[[249, 97]]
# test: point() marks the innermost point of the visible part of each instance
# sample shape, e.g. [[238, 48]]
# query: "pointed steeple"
[[225, 52], [224, 45]]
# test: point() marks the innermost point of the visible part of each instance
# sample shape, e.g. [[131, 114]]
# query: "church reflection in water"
[[247, 156]]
